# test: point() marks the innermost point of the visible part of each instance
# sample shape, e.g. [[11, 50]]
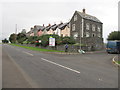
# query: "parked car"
[[113, 47]]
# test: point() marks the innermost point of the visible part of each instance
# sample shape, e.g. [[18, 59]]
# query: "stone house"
[[87, 30]]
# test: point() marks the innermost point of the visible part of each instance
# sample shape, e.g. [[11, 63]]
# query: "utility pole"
[[16, 29], [15, 32]]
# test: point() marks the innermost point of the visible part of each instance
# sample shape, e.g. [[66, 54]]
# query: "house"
[[57, 29], [23, 31], [87, 30], [48, 29], [54, 27], [36, 29], [65, 29], [51, 29], [40, 31]]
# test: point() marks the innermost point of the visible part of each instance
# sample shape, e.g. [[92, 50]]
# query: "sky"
[[27, 13]]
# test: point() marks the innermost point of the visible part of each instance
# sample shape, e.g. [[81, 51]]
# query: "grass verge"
[[118, 62], [36, 48]]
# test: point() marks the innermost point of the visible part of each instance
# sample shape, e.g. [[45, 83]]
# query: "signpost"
[[40, 41], [51, 41]]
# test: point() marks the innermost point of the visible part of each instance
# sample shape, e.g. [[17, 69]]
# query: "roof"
[[54, 27], [89, 17], [62, 26], [37, 27], [47, 28]]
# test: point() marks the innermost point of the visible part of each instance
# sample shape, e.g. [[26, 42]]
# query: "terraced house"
[[87, 30]]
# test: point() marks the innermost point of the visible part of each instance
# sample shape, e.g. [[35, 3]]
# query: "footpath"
[[11, 75], [73, 53]]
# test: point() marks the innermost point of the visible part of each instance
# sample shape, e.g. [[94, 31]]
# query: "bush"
[[114, 35], [45, 40]]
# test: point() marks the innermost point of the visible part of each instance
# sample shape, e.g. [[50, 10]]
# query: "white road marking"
[[60, 65], [28, 53]]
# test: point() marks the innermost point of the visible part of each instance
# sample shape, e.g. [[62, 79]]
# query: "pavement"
[[45, 70]]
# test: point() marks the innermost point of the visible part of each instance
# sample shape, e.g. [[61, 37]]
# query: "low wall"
[[71, 48]]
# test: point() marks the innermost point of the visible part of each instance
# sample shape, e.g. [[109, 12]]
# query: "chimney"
[[35, 26], [49, 24], [43, 25], [61, 22], [83, 10]]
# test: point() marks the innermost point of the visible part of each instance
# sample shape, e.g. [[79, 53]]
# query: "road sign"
[[40, 41], [51, 41]]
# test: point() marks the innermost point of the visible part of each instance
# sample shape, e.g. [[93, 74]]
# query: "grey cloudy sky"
[[26, 14]]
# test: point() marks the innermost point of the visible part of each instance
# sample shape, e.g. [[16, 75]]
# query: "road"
[[24, 68]]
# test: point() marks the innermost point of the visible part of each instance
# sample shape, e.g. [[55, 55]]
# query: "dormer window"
[[75, 18]]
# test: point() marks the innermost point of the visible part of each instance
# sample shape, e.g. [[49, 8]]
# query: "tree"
[[21, 37], [5, 41], [32, 39], [23, 31], [114, 35], [12, 38], [68, 40]]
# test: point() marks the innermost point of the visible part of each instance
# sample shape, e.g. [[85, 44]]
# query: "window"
[[75, 18], [93, 34], [99, 35], [87, 34], [93, 27], [98, 29], [87, 26], [73, 27], [75, 35]]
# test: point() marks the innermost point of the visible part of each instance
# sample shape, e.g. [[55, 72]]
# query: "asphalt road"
[[28, 68]]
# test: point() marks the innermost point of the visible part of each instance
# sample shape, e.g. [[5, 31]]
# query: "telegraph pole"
[[15, 28], [15, 33]]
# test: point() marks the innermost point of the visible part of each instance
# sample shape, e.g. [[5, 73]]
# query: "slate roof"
[[89, 17], [53, 27], [38, 27], [62, 26], [47, 28]]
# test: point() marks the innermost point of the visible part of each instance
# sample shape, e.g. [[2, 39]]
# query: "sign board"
[[51, 41], [40, 41]]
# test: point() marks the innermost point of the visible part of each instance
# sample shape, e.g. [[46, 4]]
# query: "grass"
[[118, 62], [36, 48]]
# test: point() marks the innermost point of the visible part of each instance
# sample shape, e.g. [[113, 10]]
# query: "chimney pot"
[[43, 25], [49, 24], [83, 10]]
